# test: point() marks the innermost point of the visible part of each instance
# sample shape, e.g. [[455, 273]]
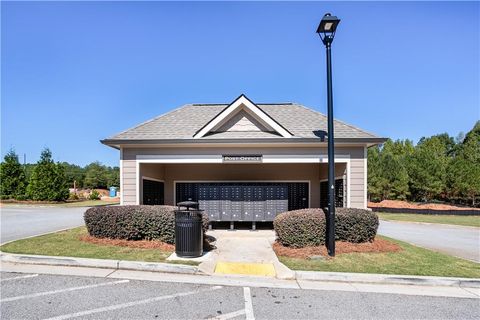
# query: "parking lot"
[[37, 296]]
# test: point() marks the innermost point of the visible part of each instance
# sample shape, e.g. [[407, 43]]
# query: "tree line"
[[49, 180], [437, 168]]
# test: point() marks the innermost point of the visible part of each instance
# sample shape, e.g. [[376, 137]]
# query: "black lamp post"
[[326, 30]]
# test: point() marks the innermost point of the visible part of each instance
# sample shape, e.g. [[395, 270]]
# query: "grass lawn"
[[411, 260], [85, 203], [473, 221], [67, 243]]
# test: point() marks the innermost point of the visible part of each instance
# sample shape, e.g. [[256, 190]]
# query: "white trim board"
[[365, 177], [121, 176], [152, 179], [218, 158]]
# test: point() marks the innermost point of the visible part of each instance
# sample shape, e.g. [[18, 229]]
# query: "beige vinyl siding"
[[357, 191], [129, 182]]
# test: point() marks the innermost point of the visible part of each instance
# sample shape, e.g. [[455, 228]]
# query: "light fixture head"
[[327, 27]]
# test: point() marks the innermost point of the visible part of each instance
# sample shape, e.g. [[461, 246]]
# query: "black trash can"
[[188, 230]]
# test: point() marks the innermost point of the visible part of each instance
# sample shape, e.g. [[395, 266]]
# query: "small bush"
[[355, 225], [300, 228], [21, 197], [306, 227], [134, 222], [73, 196], [5, 197], [94, 195]]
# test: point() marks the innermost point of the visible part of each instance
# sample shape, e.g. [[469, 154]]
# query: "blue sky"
[[75, 73]]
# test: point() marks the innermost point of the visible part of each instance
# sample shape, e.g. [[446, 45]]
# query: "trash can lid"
[[188, 204]]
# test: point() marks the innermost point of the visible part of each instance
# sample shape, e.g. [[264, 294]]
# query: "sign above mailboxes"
[[243, 158]]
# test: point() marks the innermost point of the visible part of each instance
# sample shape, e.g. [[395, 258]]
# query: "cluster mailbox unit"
[[251, 202]]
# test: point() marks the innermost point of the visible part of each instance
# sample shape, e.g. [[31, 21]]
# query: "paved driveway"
[[463, 242], [20, 222]]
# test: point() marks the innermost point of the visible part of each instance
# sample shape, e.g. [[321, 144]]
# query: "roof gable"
[[242, 115], [242, 121]]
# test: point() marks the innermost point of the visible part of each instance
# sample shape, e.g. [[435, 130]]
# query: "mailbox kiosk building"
[[241, 161]]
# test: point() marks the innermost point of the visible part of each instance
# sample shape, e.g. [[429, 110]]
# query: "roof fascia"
[[280, 142]]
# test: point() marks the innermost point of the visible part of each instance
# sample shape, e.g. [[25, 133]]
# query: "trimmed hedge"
[[306, 227], [300, 228], [355, 225], [134, 222]]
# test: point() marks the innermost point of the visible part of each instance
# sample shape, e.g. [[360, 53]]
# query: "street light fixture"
[[326, 30]]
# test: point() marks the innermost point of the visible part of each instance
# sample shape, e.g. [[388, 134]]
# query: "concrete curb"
[[99, 263], [366, 278], [387, 279]]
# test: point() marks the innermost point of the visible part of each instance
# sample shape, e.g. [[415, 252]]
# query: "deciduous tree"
[[96, 176]]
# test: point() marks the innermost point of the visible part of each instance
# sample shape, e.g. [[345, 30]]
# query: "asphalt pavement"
[[463, 242], [40, 296], [19, 222]]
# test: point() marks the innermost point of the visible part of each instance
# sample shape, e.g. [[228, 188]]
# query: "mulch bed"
[[411, 205], [139, 244], [341, 247]]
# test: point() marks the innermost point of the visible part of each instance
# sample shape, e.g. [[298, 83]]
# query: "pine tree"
[[48, 181], [428, 169], [12, 176], [464, 170], [374, 183]]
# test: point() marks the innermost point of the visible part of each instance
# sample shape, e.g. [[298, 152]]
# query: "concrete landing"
[[245, 252]]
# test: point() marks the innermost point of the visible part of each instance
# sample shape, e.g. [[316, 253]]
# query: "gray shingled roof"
[[184, 122]]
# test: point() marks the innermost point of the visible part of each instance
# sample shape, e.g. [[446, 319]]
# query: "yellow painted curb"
[[257, 269]]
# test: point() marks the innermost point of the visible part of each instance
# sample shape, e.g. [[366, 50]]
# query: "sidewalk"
[[245, 252]]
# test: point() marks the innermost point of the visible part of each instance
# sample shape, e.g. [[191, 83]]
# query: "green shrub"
[[134, 222], [94, 195], [21, 197], [306, 227], [5, 197], [73, 196], [300, 228], [355, 225]]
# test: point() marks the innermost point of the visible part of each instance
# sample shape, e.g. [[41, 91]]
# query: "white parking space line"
[[230, 315], [46, 293], [130, 304], [248, 304], [21, 277]]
